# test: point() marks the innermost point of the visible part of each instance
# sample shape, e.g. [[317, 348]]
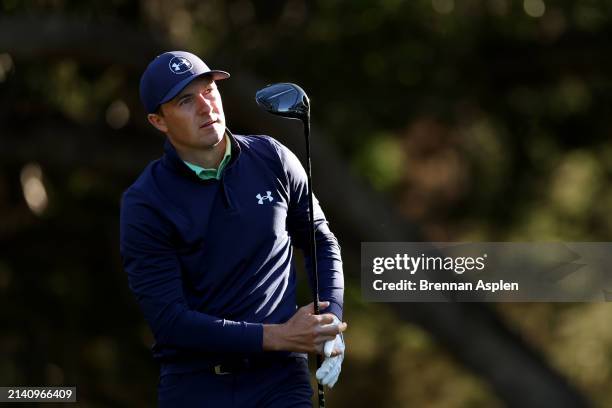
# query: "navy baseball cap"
[[168, 74]]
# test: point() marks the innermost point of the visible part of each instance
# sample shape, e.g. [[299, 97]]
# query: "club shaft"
[[313, 248]]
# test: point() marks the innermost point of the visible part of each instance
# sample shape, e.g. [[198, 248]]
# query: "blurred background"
[[433, 120]]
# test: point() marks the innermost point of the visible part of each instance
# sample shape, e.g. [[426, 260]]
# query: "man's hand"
[[329, 371], [305, 332]]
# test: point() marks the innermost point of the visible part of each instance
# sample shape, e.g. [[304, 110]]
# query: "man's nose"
[[204, 104]]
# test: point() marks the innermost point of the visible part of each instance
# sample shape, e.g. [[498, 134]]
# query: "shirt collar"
[[207, 174]]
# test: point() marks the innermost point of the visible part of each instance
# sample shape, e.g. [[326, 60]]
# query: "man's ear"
[[158, 121]]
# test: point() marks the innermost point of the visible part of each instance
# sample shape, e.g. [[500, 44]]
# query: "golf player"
[[207, 237]]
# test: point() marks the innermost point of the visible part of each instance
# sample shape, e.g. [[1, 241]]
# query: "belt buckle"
[[219, 370]]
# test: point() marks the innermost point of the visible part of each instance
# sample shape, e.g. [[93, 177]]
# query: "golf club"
[[290, 101]]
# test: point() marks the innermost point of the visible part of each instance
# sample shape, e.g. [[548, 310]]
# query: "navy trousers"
[[282, 384]]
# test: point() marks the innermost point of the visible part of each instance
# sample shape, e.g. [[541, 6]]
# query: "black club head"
[[284, 99]]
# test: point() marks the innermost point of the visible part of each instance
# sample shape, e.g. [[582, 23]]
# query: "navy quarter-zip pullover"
[[211, 261]]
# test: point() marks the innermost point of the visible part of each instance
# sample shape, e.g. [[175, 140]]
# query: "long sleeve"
[[329, 261], [154, 276]]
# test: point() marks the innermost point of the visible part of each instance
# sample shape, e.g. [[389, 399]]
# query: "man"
[[206, 239]]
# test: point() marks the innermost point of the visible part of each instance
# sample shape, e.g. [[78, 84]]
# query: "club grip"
[[320, 390]]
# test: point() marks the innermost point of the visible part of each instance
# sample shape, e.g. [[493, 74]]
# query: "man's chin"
[[214, 134]]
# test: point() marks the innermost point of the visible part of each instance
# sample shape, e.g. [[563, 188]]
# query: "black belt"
[[249, 364]]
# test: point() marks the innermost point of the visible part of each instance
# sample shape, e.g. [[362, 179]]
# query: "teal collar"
[[208, 174]]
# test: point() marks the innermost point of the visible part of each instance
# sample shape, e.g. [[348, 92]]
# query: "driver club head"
[[284, 99]]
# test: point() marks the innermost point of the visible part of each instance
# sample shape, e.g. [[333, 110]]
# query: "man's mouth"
[[207, 124]]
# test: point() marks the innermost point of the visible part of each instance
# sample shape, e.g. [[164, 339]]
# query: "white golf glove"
[[329, 371]]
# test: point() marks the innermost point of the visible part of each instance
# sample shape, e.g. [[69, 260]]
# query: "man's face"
[[194, 119]]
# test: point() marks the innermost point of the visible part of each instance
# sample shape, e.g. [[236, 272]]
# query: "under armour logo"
[[261, 198], [180, 65]]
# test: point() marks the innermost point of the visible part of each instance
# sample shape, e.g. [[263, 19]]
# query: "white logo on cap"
[[180, 65]]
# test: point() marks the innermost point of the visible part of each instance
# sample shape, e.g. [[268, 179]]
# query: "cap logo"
[[180, 65]]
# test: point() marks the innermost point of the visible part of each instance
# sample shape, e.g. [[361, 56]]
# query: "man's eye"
[[184, 101]]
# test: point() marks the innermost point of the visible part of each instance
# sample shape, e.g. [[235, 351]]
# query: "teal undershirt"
[[207, 174]]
